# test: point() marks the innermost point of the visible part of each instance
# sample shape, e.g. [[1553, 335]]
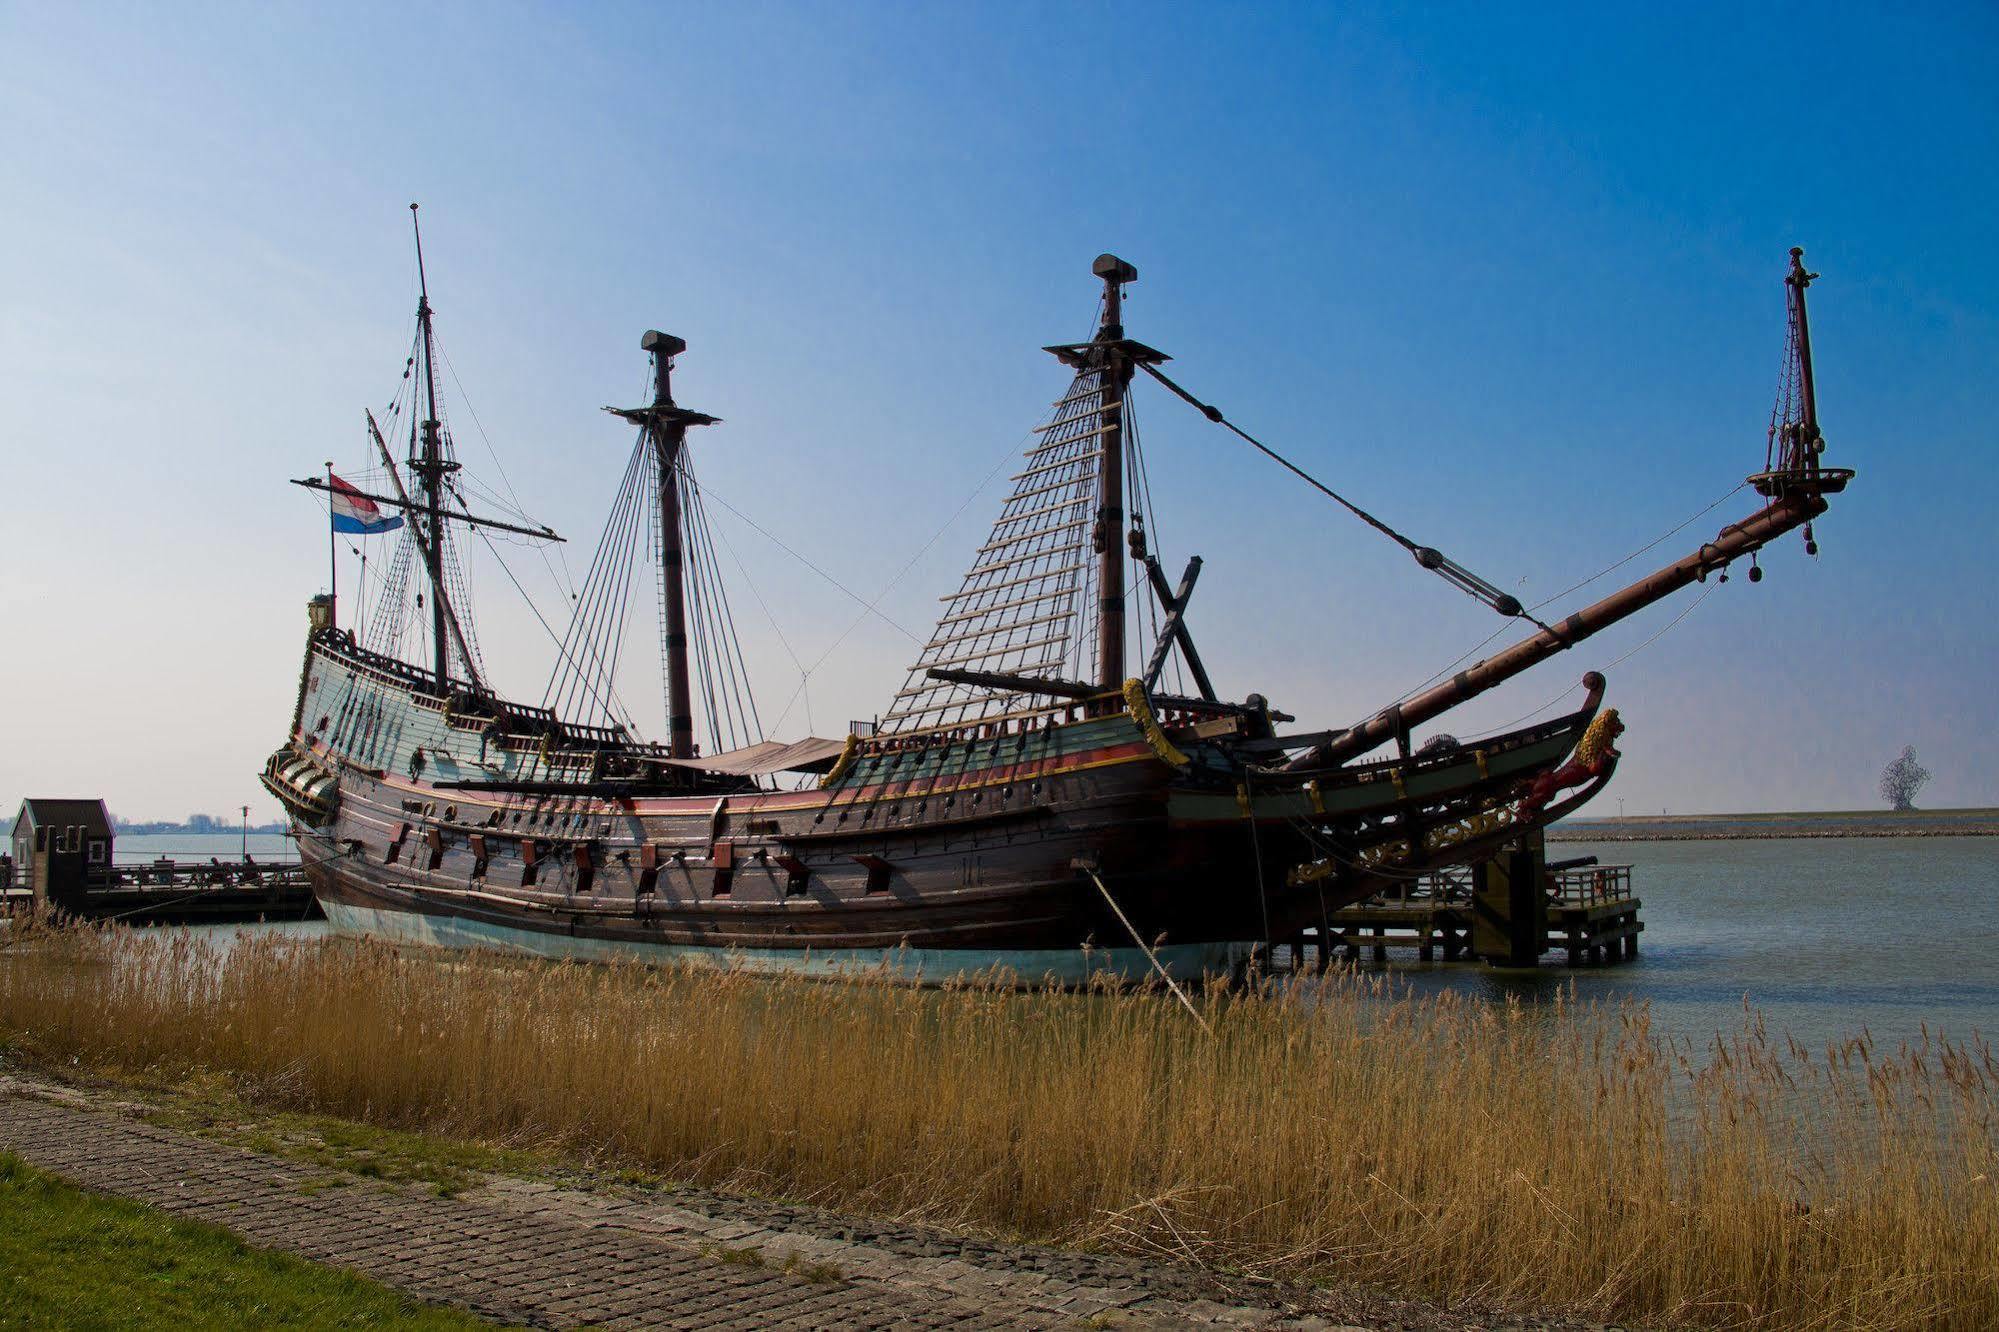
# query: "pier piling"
[[1509, 911]]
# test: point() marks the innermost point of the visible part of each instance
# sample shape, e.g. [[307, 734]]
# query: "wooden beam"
[[1175, 628], [1019, 684]]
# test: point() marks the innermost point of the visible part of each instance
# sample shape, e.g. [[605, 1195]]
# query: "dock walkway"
[[533, 1253], [1586, 912], [168, 891]]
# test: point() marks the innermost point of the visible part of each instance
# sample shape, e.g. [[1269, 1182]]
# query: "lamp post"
[[246, 832]]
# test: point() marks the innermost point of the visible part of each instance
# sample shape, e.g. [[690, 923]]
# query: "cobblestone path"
[[527, 1252]]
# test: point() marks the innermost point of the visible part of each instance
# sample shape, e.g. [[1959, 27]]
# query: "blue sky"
[[1511, 279]]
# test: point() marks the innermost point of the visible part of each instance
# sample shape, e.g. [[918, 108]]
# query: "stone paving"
[[532, 1253]]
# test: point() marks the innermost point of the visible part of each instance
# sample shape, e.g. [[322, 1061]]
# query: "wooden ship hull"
[[935, 857], [1027, 806]]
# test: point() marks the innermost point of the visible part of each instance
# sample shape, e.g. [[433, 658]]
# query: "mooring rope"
[[1255, 846], [1151, 956]]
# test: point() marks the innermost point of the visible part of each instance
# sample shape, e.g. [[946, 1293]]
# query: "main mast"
[[1114, 366], [669, 436], [666, 426], [430, 467]]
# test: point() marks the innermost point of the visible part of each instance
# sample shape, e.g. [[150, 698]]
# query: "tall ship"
[[1058, 790]]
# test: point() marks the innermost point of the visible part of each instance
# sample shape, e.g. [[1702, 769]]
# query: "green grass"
[[71, 1259], [210, 1108]]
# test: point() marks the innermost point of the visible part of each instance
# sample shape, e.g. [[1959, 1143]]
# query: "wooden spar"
[[1797, 494], [666, 425], [1789, 511], [1114, 376], [1798, 280], [1019, 684], [455, 515], [1175, 628], [440, 602], [669, 436]]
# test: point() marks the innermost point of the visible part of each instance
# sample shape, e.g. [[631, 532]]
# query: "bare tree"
[[1901, 779]]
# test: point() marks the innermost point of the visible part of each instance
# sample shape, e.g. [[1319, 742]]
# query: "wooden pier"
[[1508, 912], [166, 891]]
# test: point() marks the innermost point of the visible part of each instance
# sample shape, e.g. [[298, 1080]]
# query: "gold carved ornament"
[[1141, 712]]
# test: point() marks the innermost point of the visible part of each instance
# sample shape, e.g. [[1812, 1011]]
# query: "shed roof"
[[44, 813]]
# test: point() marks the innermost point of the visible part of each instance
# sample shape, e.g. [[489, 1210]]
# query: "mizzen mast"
[[431, 467]]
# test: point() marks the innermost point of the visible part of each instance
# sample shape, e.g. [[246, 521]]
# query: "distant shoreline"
[[1798, 824], [182, 830]]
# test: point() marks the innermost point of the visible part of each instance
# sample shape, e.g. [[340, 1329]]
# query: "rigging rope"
[[745, 726], [547, 628], [1674, 623], [584, 665], [770, 619], [868, 607], [1005, 458], [1428, 556], [1571, 589], [1150, 956], [519, 510]]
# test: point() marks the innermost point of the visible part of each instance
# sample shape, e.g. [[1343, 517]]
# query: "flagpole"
[[332, 552]]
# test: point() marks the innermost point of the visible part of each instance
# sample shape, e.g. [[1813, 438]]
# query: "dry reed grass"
[[1452, 1148]]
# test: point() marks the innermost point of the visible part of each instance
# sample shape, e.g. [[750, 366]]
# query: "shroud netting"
[[1028, 605]]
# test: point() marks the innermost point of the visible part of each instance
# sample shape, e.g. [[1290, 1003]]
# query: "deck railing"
[[1591, 885], [1568, 885]]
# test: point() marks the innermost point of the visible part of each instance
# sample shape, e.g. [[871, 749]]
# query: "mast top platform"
[[1798, 277], [1110, 344], [1802, 440], [662, 344], [1113, 269], [663, 347]]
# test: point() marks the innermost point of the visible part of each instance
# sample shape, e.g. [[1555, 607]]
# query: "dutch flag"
[[355, 512]]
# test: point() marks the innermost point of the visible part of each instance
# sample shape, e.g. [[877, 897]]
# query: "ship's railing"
[[1590, 885], [521, 726], [1450, 884], [1568, 885]]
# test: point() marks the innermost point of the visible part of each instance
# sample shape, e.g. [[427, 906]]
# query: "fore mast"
[[1114, 358]]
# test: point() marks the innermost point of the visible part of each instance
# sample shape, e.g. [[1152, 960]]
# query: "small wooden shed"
[[61, 847]]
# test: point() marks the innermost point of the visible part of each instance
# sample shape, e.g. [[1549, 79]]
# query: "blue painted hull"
[[1062, 966]]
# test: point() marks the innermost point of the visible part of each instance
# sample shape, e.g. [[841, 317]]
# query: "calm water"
[[142, 848], [137, 848], [1825, 936]]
